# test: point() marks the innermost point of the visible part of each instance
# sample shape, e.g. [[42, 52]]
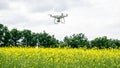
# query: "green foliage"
[[28, 38], [104, 42], [15, 37], [4, 36], [46, 40], [75, 41]]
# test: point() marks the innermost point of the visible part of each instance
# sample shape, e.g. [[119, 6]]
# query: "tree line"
[[27, 38]]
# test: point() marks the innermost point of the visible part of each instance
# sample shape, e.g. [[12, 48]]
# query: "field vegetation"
[[59, 58], [26, 49]]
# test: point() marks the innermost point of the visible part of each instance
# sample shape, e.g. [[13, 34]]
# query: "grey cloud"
[[40, 8], [48, 5], [14, 19], [4, 5], [54, 5], [58, 5]]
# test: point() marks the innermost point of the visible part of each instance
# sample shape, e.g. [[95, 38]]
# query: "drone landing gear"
[[63, 20], [56, 21]]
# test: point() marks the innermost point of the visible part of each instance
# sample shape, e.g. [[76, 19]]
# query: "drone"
[[59, 18]]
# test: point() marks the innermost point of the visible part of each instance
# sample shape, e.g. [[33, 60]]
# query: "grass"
[[59, 58]]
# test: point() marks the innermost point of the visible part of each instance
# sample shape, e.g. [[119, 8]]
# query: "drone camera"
[[58, 20]]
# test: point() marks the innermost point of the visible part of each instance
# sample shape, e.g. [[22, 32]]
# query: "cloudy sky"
[[94, 18]]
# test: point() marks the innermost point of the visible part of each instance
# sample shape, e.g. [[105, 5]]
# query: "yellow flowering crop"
[[59, 58]]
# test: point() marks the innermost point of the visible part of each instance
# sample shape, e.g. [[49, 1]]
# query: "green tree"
[[114, 43], [76, 40], [99, 42], [27, 37], [104, 42], [34, 39], [1, 34], [46, 40], [4, 35], [15, 37]]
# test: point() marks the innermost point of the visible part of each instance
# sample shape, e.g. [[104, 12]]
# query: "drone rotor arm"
[[65, 15], [52, 16]]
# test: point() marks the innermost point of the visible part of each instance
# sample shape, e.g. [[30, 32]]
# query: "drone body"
[[59, 18]]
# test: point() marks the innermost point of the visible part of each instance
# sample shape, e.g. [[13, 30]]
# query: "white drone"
[[59, 18]]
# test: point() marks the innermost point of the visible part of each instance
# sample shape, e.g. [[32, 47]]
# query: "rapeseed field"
[[59, 58]]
